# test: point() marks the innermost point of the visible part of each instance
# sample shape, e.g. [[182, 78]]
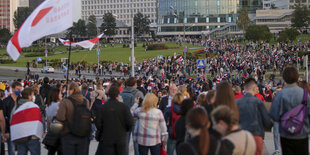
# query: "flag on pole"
[[52, 16], [26, 121], [89, 43], [66, 42]]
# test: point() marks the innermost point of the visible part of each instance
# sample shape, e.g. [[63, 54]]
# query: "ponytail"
[[204, 141]]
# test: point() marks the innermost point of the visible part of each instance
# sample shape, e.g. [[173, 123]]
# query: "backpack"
[[292, 121], [128, 99], [81, 125], [174, 119]]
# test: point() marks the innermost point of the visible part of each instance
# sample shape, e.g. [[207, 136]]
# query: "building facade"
[[123, 9], [304, 2], [275, 4], [5, 14], [194, 17]]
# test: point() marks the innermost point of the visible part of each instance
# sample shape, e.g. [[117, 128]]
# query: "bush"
[[37, 54], [258, 32], [124, 46], [288, 34], [157, 47]]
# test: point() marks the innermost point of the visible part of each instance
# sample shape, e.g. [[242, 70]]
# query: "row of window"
[[167, 20], [146, 11], [119, 6], [111, 1]]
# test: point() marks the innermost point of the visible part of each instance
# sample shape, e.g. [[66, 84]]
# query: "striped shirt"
[[150, 128]]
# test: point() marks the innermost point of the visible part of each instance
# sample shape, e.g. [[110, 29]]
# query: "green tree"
[[300, 17], [141, 24], [5, 36], [92, 26], [288, 34], [243, 21], [258, 32], [20, 15], [109, 24], [79, 28]]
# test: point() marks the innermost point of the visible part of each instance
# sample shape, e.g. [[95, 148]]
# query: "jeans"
[[73, 145], [43, 121], [33, 146], [171, 144], [11, 147], [144, 150], [276, 135], [135, 145]]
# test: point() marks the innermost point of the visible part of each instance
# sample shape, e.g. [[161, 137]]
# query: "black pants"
[[294, 146], [73, 145], [111, 148], [53, 150]]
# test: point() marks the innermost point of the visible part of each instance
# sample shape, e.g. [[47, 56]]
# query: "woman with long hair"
[[150, 131], [202, 142], [224, 95], [53, 100]]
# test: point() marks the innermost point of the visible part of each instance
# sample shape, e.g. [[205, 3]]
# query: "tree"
[[5, 36], [79, 28], [300, 17], [243, 21], [109, 25], [92, 26], [141, 24], [258, 32], [20, 15], [288, 34]]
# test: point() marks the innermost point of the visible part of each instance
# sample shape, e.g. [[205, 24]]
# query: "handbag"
[[292, 121], [51, 139], [162, 151]]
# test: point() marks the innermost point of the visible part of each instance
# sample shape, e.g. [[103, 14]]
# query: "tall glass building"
[[195, 16]]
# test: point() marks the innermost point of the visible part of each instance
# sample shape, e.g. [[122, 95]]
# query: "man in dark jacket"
[[166, 101], [44, 90], [253, 114], [113, 121], [9, 104]]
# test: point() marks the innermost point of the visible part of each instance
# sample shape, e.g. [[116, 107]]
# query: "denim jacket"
[[285, 100], [253, 115]]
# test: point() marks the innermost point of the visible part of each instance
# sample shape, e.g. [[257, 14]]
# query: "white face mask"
[[33, 98]]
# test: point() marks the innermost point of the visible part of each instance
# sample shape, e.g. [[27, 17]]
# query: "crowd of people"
[[169, 113]]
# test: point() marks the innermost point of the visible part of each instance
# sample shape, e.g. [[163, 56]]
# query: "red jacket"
[[238, 95]]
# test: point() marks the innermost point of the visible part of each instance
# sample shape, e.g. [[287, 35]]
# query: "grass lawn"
[[116, 54]]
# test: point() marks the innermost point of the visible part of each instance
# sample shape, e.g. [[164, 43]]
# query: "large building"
[[275, 4], [35, 3], [304, 2], [194, 17], [123, 9], [5, 14]]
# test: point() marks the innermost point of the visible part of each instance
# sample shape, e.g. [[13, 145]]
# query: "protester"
[[53, 143], [150, 119], [113, 121], [180, 125], [253, 114], [38, 100], [2, 119], [26, 124], [72, 142], [172, 114], [9, 104], [44, 89], [286, 100], [243, 140], [202, 142], [166, 101], [237, 91], [85, 92]]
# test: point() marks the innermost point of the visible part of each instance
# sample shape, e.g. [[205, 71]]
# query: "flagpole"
[[68, 68]]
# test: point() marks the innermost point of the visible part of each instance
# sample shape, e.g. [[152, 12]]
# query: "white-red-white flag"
[[66, 42], [175, 55], [88, 43], [50, 17], [26, 121]]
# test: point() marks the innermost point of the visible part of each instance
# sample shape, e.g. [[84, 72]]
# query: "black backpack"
[[81, 125]]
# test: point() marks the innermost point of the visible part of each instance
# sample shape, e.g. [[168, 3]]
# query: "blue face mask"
[[17, 92]]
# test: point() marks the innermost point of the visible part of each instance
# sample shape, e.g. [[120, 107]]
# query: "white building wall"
[[124, 9]]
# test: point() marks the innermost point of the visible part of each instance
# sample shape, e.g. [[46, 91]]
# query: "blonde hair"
[[178, 98], [150, 101], [75, 87]]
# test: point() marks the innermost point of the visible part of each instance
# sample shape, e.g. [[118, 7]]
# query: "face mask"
[[33, 98], [17, 92]]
